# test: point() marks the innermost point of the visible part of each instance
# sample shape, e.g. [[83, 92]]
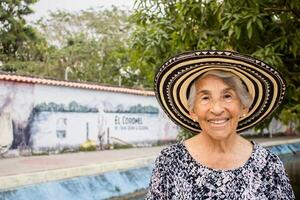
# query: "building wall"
[[16, 102], [52, 117]]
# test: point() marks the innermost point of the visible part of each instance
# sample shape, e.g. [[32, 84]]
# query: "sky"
[[42, 7]]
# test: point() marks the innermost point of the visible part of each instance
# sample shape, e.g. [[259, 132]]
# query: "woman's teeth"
[[218, 121]]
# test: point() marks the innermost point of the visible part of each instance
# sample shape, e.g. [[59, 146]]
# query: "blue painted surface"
[[85, 188], [102, 186], [285, 149]]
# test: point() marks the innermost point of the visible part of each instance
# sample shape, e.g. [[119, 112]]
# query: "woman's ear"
[[244, 112], [193, 116]]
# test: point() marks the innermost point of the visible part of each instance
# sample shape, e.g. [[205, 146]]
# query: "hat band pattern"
[[174, 78]]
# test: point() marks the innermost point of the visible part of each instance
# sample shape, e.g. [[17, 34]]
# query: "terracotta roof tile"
[[44, 81]]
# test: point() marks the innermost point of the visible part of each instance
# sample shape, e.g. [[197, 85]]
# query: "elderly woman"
[[218, 94]]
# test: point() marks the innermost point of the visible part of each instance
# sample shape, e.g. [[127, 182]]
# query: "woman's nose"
[[217, 107]]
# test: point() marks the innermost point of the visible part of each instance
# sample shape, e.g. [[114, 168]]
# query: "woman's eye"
[[228, 97], [204, 99]]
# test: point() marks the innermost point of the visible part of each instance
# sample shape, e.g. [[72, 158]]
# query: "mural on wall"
[[50, 122], [59, 125], [15, 114], [43, 117], [47, 117], [6, 131]]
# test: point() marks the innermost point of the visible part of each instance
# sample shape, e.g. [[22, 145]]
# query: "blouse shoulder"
[[162, 178], [265, 161], [264, 154], [176, 148], [274, 171], [170, 153]]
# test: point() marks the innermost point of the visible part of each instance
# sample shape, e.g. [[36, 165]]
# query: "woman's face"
[[217, 108]]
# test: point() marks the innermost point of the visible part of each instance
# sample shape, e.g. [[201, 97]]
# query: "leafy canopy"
[[268, 30], [108, 46]]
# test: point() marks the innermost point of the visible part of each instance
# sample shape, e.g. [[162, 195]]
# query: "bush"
[[119, 146], [88, 145], [184, 134]]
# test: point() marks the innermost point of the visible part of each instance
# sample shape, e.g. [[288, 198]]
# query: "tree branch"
[[296, 12]]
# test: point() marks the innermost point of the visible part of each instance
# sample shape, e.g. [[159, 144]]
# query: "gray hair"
[[229, 79]]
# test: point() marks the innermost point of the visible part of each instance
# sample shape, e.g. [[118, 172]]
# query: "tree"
[[93, 44], [13, 30], [90, 45], [267, 30], [21, 48]]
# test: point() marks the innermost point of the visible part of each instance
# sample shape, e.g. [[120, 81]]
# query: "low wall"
[[102, 186]]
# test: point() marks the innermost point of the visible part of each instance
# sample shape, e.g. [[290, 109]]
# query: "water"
[[290, 155], [292, 166], [97, 187], [120, 183]]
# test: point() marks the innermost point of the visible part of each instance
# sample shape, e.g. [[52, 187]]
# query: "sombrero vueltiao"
[[174, 78]]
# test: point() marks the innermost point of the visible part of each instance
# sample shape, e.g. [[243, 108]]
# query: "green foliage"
[[72, 107], [133, 109], [92, 45], [168, 27], [143, 109], [89, 148], [184, 134], [88, 145], [21, 48], [267, 30], [112, 47], [13, 31], [120, 146]]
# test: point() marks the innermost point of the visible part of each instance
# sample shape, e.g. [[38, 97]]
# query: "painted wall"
[[43, 117], [48, 117], [16, 102]]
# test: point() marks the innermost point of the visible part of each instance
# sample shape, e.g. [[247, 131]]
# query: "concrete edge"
[[13, 181], [276, 143]]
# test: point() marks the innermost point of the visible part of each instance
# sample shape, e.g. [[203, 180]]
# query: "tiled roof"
[[90, 86]]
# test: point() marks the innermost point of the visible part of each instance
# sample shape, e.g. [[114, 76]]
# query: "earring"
[[243, 115]]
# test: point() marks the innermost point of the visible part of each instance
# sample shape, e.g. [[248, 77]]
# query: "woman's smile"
[[218, 122]]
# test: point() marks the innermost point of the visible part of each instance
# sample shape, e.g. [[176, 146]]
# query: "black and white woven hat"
[[175, 76]]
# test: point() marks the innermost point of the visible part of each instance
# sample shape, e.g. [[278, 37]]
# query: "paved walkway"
[[20, 171], [19, 165]]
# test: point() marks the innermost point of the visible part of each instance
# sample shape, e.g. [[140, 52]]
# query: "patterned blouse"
[[178, 176]]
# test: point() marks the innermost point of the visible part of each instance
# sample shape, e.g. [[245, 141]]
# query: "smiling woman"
[[218, 94]]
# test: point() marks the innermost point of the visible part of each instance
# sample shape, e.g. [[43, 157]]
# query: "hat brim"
[[174, 78]]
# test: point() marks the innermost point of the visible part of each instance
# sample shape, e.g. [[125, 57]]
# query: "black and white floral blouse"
[[178, 176]]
